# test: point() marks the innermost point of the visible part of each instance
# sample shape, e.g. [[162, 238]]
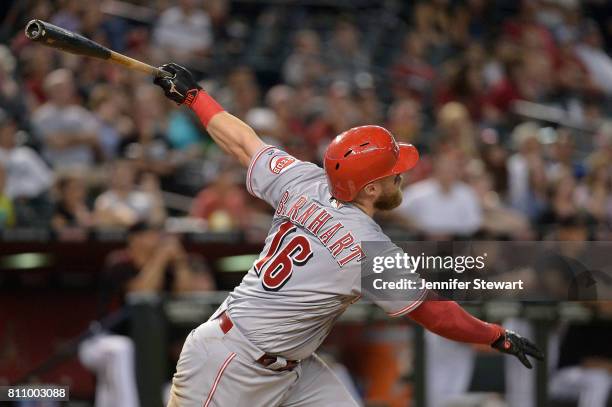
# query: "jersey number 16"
[[276, 267]]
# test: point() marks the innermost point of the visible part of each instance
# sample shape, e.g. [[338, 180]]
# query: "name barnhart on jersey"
[[318, 221]]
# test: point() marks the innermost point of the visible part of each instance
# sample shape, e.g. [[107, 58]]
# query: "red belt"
[[266, 360]]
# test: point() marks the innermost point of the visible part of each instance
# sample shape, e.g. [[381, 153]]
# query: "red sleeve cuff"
[[204, 106]]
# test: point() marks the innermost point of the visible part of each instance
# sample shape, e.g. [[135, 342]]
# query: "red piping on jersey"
[[410, 307], [218, 378], [250, 171]]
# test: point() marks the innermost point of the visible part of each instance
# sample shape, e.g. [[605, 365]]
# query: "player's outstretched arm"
[[230, 133], [448, 319]]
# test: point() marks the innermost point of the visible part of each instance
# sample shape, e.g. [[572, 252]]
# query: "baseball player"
[[258, 348]]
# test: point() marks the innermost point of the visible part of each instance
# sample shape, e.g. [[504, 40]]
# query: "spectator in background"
[[71, 210], [36, 63], [7, 211], [526, 171], [27, 174], [529, 31], [456, 127], [151, 263], [265, 122], [511, 87], [68, 132], [305, 64], [405, 120], [282, 99], [412, 74], [223, 204], [184, 32], [562, 200], [432, 23], [562, 157], [219, 14], [497, 219], [494, 156], [443, 206], [466, 86], [28, 178], [11, 95], [340, 113], [184, 133], [68, 15], [598, 63], [594, 193], [602, 143], [108, 106], [369, 105], [241, 93], [585, 362], [148, 149], [124, 204], [344, 55], [574, 80]]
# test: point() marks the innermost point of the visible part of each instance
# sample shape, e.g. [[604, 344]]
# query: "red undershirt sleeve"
[[448, 319]]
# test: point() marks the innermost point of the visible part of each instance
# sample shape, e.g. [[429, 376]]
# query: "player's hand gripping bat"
[[57, 37]]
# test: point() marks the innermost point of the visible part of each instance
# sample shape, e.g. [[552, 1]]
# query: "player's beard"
[[389, 200]]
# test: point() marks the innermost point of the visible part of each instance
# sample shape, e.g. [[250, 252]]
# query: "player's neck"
[[367, 209]]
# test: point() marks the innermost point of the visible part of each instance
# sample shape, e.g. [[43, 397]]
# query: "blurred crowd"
[[508, 102]]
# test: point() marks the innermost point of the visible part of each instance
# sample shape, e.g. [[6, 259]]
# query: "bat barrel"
[[34, 30], [59, 38]]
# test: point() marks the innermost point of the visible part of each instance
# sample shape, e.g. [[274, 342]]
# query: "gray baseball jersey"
[[309, 271]]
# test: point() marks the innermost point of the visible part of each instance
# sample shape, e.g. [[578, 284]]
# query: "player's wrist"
[[500, 332], [191, 95], [203, 105]]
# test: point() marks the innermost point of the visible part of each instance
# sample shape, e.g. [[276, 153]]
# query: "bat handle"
[[137, 65], [162, 74]]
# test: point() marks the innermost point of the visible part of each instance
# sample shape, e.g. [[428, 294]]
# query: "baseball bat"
[[57, 37]]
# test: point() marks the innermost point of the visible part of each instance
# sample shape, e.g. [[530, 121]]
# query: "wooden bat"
[[57, 37]]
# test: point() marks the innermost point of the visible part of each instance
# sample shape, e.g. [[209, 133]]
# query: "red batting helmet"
[[364, 154]]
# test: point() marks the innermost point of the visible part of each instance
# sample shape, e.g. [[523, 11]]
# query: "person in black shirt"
[[71, 210], [152, 263], [585, 361]]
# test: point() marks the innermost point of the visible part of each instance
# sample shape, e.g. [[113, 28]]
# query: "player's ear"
[[372, 190], [369, 193]]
